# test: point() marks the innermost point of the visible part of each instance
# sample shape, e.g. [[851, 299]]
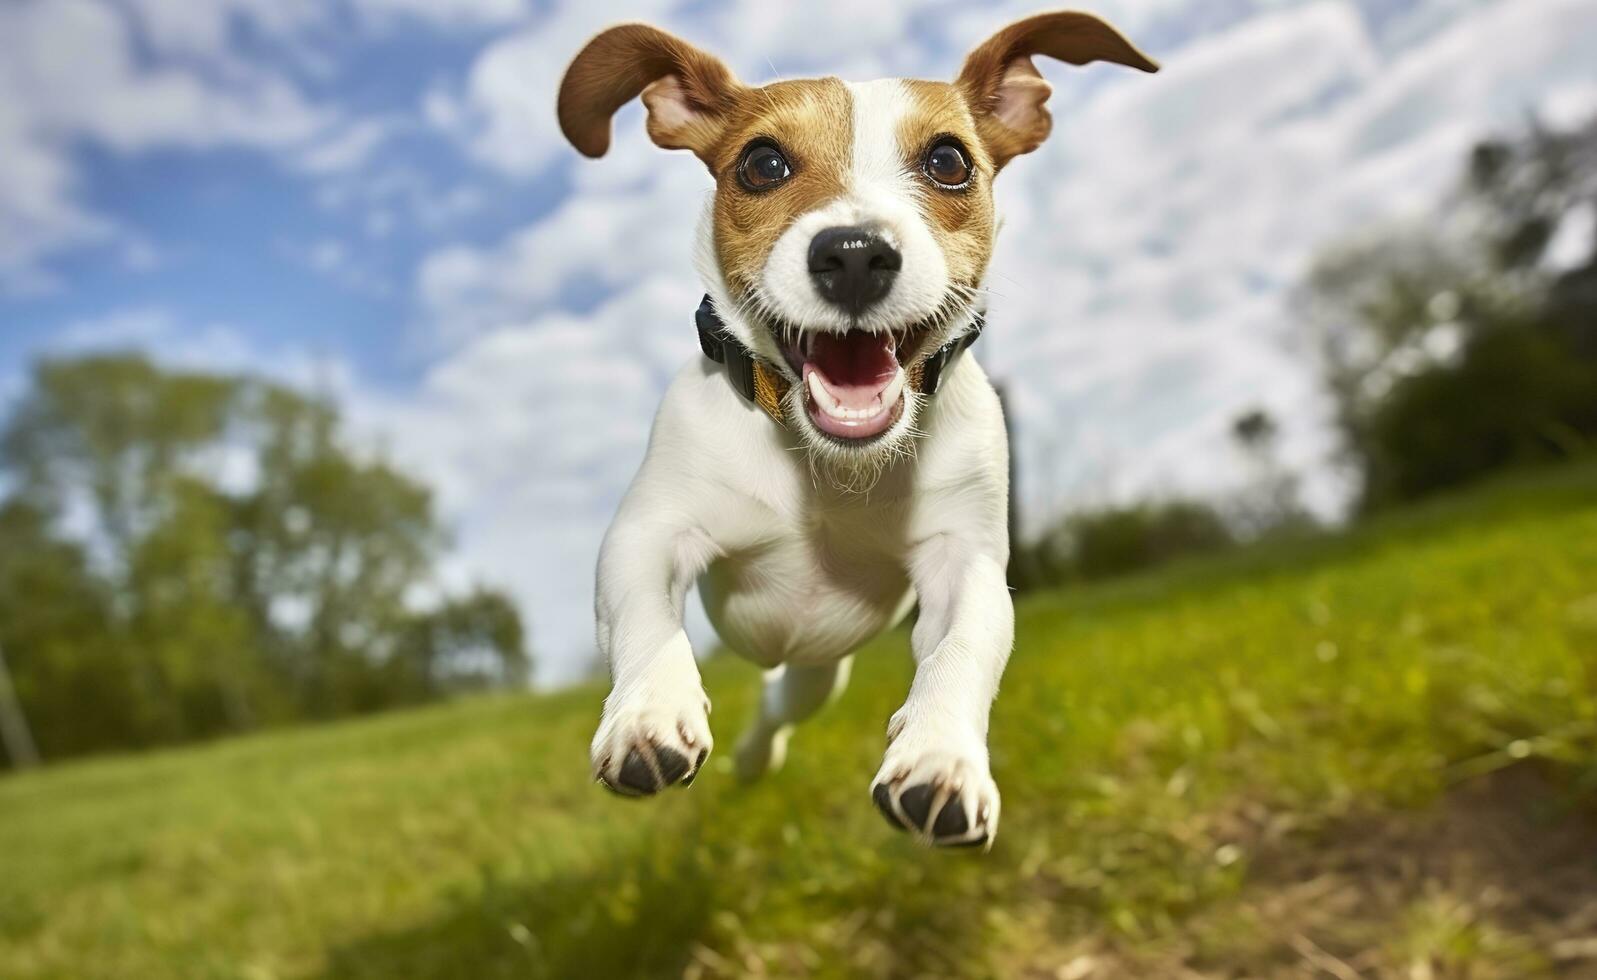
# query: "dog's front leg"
[[935, 780], [655, 731]]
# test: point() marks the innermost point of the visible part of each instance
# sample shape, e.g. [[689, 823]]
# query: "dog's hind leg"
[[789, 695]]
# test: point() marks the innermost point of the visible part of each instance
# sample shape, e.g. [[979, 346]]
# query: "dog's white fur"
[[805, 546], [796, 572], [881, 194]]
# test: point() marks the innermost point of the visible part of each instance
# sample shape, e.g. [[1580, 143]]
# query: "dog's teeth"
[[826, 402], [823, 398], [895, 387]]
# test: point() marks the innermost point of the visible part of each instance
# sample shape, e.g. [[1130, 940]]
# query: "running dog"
[[833, 460]]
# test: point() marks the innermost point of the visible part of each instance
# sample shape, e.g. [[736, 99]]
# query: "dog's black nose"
[[853, 267]]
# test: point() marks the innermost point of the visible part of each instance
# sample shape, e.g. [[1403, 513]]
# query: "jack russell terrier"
[[832, 461]]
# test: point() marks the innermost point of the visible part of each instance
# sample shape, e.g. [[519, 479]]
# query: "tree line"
[[1466, 343], [186, 554]]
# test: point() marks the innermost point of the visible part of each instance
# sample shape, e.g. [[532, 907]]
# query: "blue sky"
[[371, 197], [282, 245]]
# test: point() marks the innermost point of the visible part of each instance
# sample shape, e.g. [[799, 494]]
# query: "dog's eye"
[[763, 166], [947, 165]]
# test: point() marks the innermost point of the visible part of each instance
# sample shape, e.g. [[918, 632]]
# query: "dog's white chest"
[[814, 588], [792, 568]]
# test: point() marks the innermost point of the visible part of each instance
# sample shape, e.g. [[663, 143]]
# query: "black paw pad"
[[636, 777], [883, 798], [948, 826], [951, 822], [673, 765], [917, 804]]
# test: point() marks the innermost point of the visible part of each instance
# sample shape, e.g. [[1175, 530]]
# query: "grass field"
[[1366, 756]]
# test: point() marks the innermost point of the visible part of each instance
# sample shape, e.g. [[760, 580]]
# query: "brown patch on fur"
[[695, 103], [813, 123], [962, 219], [688, 91], [1005, 92]]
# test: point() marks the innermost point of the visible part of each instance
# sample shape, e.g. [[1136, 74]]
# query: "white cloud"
[[72, 64], [132, 76], [206, 29], [121, 328], [349, 149], [216, 347], [609, 239], [327, 255], [181, 27], [38, 212], [381, 194], [505, 113], [1574, 240], [530, 432], [335, 260], [1174, 214], [69, 74], [456, 12]]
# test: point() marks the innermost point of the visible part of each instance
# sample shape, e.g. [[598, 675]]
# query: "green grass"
[[1184, 758]]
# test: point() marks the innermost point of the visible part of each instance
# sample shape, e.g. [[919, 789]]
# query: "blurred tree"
[[16, 735], [1468, 343], [1268, 504], [456, 647], [53, 626], [1121, 540], [1255, 430], [184, 554], [1106, 542], [104, 436], [327, 550]]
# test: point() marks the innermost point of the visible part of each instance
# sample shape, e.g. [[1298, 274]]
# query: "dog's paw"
[[938, 790], [640, 749]]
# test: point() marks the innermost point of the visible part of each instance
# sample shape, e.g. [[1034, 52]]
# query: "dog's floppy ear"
[[1006, 93], [686, 91]]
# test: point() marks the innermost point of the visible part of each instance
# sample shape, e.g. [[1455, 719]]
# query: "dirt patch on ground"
[[1497, 880]]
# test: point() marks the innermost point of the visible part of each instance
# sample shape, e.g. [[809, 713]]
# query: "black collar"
[[744, 370]]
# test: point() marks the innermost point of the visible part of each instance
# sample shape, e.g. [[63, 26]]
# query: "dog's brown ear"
[[1006, 93], [686, 91]]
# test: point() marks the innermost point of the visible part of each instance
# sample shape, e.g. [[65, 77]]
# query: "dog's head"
[[852, 222]]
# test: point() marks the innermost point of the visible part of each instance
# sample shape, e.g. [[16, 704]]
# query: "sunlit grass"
[[1162, 744]]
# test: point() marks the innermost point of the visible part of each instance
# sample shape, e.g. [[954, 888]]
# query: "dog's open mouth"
[[853, 382]]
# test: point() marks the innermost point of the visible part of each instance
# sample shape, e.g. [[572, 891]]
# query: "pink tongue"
[[855, 366]]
